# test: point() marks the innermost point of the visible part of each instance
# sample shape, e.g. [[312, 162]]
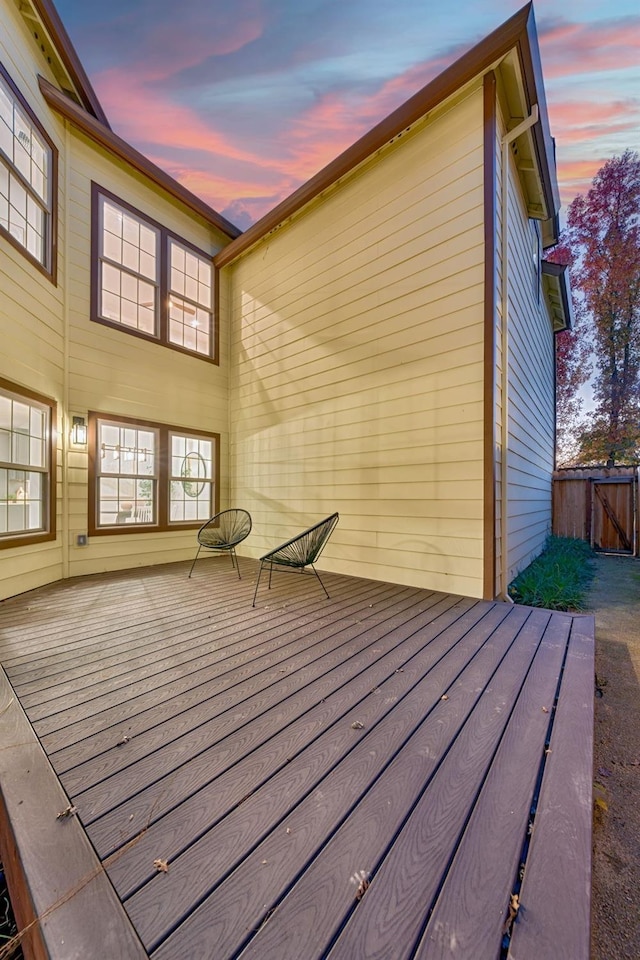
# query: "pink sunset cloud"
[[148, 116], [570, 49], [575, 121], [338, 119], [575, 176], [250, 170]]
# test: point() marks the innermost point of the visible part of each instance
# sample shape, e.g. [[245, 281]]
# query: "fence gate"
[[597, 504], [613, 521]]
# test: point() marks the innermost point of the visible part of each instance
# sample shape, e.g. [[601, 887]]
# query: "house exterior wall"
[[111, 371], [51, 346], [31, 315], [357, 364], [530, 395]]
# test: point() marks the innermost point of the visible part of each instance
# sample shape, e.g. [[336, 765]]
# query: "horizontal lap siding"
[[31, 307], [357, 379], [114, 372], [531, 395]]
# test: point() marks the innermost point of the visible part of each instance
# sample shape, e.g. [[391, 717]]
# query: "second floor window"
[[27, 173], [149, 281]]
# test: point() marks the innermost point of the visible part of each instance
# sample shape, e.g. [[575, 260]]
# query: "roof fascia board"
[[52, 23], [558, 275], [515, 32], [116, 145], [532, 71]]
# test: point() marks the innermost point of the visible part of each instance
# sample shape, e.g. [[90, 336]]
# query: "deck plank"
[[61, 891], [425, 823], [126, 671], [243, 773], [381, 682], [179, 784], [395, 756], [553, 920], [278, 651]]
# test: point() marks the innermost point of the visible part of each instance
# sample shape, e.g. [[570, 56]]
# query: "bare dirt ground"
[[614, 598]]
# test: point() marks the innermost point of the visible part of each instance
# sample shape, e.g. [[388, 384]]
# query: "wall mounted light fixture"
[[79, 430]]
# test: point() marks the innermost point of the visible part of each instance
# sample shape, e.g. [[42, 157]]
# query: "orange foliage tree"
[[603, 242]]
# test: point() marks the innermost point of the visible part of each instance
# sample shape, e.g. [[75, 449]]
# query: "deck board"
[[274, 757]]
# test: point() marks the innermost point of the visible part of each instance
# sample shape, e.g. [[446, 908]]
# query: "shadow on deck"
[[372, 776]]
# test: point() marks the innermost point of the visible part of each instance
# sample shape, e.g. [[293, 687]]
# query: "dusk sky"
[[243, 101]]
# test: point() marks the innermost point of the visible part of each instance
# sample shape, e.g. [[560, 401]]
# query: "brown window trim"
[[49, 531], [165, 235], [162, 525], [50, 268]]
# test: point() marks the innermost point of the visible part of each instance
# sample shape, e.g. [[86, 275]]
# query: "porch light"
[[79, 430]]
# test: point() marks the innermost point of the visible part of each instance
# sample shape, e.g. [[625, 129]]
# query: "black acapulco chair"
[[300, 552], [224, 532]]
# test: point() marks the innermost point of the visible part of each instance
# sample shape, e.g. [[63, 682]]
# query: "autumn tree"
[[573, 369], [603, 236]]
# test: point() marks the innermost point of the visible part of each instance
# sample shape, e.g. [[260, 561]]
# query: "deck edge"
[[65, 905]]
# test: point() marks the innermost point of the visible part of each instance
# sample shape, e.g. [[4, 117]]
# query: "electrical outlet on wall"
[[81, 540]]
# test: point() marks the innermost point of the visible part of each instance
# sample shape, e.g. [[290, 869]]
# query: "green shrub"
[[558, 579]]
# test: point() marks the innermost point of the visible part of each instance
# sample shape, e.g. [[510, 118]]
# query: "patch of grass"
[[558, 579]]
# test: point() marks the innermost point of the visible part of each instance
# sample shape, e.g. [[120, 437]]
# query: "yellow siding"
[[357, 346], [31, 310], [530, 452]]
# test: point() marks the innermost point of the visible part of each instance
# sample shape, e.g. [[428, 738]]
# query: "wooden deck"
[[371, 776]]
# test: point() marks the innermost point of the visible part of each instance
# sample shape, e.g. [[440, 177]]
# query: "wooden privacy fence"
[[599, 505]]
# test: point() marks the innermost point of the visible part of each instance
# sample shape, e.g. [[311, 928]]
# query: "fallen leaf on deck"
[[69, 812], [545, 710], [161, 866], [362, 888], [514, 906], [122, 742], [361, 879], [357, 725], [445, 696]]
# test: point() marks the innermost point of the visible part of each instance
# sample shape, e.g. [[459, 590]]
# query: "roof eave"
[[555, 277], [50, 19], [116, 145], [541, 132]]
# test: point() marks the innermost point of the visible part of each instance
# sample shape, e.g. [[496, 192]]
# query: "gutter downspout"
[[506, 142]]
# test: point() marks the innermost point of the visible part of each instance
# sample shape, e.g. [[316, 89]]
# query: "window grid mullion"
[[163, 295], [163, 478]]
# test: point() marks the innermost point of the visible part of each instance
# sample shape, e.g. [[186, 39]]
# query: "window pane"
[[112, 247], [189, 326], [191, 487], [24, 428], [126, 501], [23, 209], [127, 485], [5, 412], [128, 241]]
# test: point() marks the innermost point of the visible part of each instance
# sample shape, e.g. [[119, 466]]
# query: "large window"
[[149, 476], [26, 467], [27, 178], [148, 281]]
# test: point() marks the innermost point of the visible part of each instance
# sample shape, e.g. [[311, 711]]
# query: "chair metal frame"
[[232, 526], [300, 552]]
